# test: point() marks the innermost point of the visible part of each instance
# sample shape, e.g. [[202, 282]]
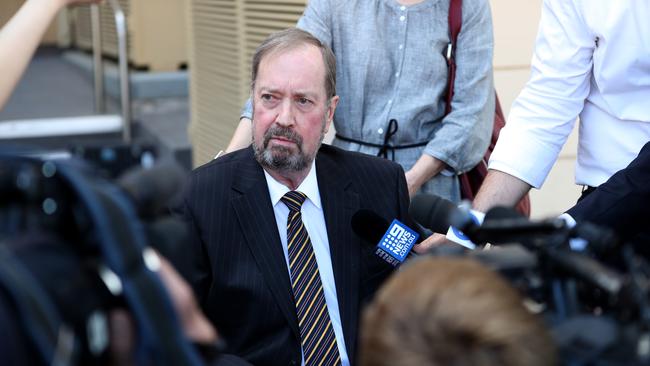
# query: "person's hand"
[[195, 324], [123, 334], [412, 182], [433, 241], [424, 169], [123, 338], [242, 137]]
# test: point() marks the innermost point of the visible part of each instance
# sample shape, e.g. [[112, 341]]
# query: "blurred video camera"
[[592, 290], [76, 244]]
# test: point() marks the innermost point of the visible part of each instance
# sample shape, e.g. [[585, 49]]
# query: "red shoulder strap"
[[455, 23]]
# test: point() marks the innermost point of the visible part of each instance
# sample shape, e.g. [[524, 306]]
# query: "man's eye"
[[304, 101]]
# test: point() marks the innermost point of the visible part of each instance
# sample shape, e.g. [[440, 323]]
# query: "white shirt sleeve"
[[544, 113]]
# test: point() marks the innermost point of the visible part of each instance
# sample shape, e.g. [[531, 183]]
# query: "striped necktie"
[[316, 332]]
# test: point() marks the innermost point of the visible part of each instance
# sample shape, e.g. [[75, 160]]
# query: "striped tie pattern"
[[317, 335]]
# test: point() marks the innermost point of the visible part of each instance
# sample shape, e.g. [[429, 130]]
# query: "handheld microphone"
[[394, 240], [600, 240], [444, 217], [432, 212], [504, 224]]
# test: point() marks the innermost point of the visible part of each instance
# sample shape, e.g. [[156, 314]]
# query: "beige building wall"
[[515, 29], [157, 32], [9, 7]]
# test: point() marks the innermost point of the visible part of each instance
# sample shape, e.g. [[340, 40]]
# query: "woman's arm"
[[20, 37]]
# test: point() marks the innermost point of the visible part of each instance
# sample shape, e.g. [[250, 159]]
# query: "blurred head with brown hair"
[[451, 312]]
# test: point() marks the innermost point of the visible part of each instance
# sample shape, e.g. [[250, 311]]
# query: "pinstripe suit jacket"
[[238, 270]]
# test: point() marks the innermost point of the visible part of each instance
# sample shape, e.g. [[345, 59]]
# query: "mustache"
[[284, 132]]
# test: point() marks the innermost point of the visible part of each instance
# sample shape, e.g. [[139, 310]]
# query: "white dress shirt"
[[592, 59], [314, 220]]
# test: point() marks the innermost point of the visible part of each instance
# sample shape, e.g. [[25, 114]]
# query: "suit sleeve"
[[197, 267], [623, 202], [230, 360], [198, 272]]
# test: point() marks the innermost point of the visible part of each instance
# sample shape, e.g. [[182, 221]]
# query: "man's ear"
[[334, 101]]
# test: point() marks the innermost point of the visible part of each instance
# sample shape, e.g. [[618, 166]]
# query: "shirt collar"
[[309, 187]]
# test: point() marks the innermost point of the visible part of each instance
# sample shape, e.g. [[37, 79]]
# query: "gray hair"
[[292, 38]]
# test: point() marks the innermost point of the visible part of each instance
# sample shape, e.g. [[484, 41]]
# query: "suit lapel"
[[339, 204], [257, 220]]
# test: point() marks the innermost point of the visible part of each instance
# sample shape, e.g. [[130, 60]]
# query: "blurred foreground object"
[[74, 251], [439, 311]]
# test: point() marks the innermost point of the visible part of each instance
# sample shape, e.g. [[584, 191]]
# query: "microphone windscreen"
[[151, 190], [432, 211], [369, 226]]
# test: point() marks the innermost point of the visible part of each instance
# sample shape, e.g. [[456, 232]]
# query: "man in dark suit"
[[622, 203], [276, 266]]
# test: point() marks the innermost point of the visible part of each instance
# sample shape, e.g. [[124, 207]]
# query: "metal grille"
[[265, 17], [83, 28], [108, 28]]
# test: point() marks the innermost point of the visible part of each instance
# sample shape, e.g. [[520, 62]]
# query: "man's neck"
[[290, 179]]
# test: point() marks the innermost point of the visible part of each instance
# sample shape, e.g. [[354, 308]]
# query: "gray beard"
[[280, 158]]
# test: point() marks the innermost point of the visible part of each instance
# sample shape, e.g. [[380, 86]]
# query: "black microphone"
[[439, 215], [394, 240], [432, 212], [151, 190], [600, 240], [587, 269], [505, 225]]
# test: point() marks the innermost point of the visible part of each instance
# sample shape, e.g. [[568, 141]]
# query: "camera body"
[[598, 314], [72, 250]]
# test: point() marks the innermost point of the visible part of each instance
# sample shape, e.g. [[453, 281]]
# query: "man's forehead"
[[306, 50], [299, 68]]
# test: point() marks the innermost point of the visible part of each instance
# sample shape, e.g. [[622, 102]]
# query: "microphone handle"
[[587, 269]]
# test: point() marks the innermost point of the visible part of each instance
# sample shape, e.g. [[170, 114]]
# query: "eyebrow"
[[308, 95], [299, 93]]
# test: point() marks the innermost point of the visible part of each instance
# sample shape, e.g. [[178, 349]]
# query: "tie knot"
[[294, 200]]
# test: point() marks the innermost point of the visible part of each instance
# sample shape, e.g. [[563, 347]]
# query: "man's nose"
[[285, 115]]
